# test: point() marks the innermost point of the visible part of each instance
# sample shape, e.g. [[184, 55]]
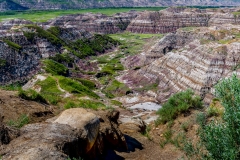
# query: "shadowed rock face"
[[199, 64]]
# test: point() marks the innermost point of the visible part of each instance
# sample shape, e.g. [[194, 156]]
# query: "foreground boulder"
[[74, 133]]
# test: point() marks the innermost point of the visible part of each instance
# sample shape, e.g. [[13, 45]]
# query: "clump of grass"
[[177, 104], [62, 58], [31, 95], [49, 90], [167, 135], [115, 88], [20, 122], [55, 68], [116, 103], [12, 44], [73, 86], [3, 62], [87, 83], [12, 87]]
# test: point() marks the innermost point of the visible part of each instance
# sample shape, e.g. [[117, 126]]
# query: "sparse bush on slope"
[[177, 104], [222, 138]]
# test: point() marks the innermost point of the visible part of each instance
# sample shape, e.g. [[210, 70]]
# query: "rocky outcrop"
[[74, 133], [22, 47], [96, 23], [72, 4], [210, 55], [167, 21]]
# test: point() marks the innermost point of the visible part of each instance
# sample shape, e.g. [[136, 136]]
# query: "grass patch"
[[31, 95], [13, 45], [49, 90], [75, 87], [132, 43], [20, 122], [12, 87], [115, 88], [177, 104], [87, 83], [45, 15], [3, 62], [116, 103], [55, 68]]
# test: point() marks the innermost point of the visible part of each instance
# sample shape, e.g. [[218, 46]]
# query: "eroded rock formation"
[[206, 56], [74, 133]]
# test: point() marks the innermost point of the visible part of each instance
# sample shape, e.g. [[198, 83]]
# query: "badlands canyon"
[[121, 69]]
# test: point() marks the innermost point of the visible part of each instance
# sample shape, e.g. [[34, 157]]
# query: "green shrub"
[[62, 58], [29, 35], [55, 68], [222, 138], [55, 30], [20, 122], [31, 95], [177, 104], [12, 44]]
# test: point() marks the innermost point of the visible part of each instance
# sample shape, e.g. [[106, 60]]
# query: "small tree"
[[222, 138]]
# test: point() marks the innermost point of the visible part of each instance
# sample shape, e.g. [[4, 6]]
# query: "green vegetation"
[[75, 87], [31, 95], [20, 122], [221, 137], [87, 83], [12, 87], [55, 68], [3, 62], [29, 35], [116, 103], [55, 30], [132, 43], [84, 104], [49, 90], [62, 58], [90, 47], [45, 34], [115, 88], [177, 104], [43, 16], [12, 44]]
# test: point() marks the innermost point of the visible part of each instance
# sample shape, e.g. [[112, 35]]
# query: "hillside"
[[76, 4]]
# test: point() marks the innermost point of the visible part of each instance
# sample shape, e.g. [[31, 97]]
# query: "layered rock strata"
[[199, 65], [97, 23]]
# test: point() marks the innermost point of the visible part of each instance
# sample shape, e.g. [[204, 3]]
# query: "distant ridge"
[[79, 4], [6, 5]]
